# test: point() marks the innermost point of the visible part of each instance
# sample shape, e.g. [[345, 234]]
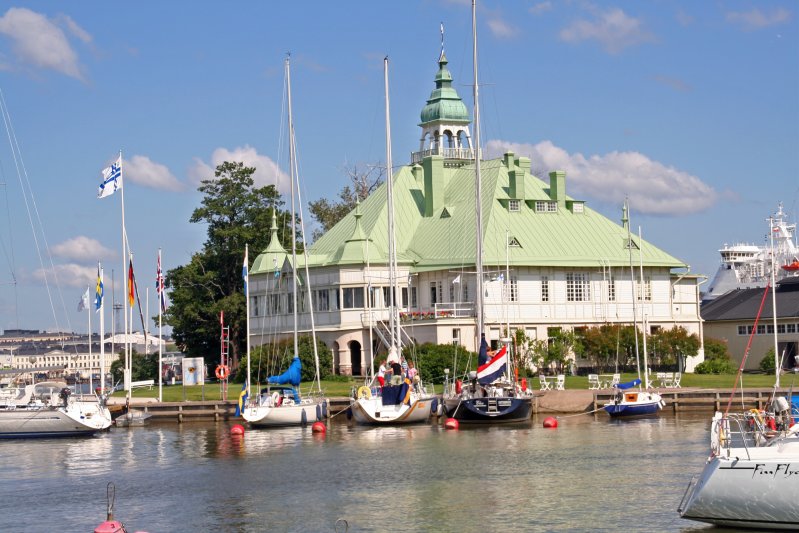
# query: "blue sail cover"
[[290, 377], [629, 384]]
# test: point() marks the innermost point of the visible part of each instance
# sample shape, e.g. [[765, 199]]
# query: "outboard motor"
[[782, 412]]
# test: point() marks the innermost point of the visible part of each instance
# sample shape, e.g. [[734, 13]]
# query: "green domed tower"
[[444, 121]]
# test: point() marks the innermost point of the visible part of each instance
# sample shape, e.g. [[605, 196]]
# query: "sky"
[[688, 108]]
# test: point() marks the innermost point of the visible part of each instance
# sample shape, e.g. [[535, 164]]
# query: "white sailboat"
[[751, 478], [627, 401], [490, 394], [279, 403], [409, 401]]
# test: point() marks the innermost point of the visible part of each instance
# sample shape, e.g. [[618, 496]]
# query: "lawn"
[[212, 391]]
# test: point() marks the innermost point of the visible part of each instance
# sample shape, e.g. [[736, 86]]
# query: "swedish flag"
[[242, 399], [98, 291]]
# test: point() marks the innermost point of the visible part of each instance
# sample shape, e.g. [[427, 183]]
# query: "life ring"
[[277, 399], [364, 392], [222, 372]]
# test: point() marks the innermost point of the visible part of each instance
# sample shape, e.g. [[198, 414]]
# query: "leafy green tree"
[[144, 366], [274, 359], [431, 360], [364, 180], [672, 346], [767, 363], [717, 358], [235, 213], [601, 344]]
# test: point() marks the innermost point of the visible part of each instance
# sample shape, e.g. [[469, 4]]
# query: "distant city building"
[[550, 262], [731, 318]]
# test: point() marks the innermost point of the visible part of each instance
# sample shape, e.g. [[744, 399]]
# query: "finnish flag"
[[112, 179]]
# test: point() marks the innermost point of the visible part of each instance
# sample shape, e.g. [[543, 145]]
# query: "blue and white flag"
[[494, 368], [112, 179], [242, 399], [244, 273], [98, 291]]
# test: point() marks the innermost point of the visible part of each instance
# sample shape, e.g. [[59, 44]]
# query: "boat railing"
[[744, 431]]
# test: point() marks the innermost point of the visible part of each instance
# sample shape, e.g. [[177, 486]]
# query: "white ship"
[[746, 266]]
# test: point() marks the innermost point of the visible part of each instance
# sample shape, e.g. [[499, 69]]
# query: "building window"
[[513, 206], [452, 287], [645, 289], [456, 335], [544, 206], [544, 289], [513, 287], [790, 328], [433, 293], [353, 297], [254, 305], [405, 297], [577, 207], [611, 288], [741, 330], [387, 292], [335, 303], [770, 329], [761, 329], [321, 300], [577, 287], [780, 328]]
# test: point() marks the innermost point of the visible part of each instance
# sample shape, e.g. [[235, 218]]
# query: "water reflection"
[[587, 474]]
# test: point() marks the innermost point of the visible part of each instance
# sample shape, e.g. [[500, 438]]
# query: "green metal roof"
[[444, 103], [274, 254], [447, 238]]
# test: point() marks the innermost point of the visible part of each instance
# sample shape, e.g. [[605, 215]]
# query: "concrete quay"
[[551, 402]]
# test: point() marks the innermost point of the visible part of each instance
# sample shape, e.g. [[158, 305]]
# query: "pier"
[[567, 401]]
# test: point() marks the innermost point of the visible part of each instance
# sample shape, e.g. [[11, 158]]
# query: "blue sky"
[[689, 108]]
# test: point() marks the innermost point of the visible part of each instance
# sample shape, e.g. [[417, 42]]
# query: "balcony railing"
[[447, 153]]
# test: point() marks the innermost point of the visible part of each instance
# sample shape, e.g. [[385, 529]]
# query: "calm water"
[[589, 474]]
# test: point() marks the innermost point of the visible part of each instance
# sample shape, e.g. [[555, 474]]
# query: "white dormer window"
[[577, 207], [513, 206], [544, 206]]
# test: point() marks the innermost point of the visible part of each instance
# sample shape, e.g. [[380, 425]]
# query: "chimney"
[[557, 187], [433, 183]]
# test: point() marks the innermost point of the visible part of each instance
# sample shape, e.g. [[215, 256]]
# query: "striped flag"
[[244, 272], [131, 284]]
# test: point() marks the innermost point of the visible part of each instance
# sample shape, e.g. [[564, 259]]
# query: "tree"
[[674, 345], [364, 179], [144, 366], [271, 360], [236, 213], [431, 360], [717, 358]]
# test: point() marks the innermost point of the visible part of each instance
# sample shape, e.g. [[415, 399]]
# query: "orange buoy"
[[237, 429], [451, 423], [318, 427], [550, 422]]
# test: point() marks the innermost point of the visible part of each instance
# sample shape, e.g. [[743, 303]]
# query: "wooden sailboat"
[[490, 394], [279, 403], [409, 401]]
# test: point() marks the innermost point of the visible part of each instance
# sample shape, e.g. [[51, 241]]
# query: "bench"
[[141, 384]]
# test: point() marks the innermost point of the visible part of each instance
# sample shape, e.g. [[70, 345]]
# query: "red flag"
[[131, 284]]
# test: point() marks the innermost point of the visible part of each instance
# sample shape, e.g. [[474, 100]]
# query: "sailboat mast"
[[477, 185], [777, 363], [643, 313], [632, 283], [292, 172], [392, 241]]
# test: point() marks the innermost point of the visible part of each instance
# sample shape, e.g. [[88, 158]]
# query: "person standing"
[[381, 373]]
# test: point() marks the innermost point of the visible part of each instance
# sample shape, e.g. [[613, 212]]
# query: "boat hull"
[[643, 403], [304, 413], [45, 422], [489, 410], [372, 411], [755, 492]]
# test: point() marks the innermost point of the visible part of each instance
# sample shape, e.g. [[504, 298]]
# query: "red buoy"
[[550, 422], [451, 423], [237, 429], [318, 427]]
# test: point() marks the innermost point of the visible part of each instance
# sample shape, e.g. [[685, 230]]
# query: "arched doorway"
[[356, 358]]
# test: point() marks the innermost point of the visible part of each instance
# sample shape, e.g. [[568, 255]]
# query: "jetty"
[[552, 402]]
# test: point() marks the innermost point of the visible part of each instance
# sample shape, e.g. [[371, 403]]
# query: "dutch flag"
[[494, 368]]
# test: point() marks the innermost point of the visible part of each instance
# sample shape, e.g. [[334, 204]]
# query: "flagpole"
[[160, 333], [126, 378], [247, 306], [102, 335], [89, 311]]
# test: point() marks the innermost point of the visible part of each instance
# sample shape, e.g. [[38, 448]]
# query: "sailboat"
[[750, 477], [490, 394], [627, 401], [279, 403], [408, 401]]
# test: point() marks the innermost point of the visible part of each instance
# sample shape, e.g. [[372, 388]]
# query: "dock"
[[552, 402]]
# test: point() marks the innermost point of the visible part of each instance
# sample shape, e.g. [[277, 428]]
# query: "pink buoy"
[[237, 429], [110, 526], [550, 422], [451, 423], [318, 427]]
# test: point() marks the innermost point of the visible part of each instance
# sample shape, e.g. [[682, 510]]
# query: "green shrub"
[[767, 363], [431, 360], [715, 366]]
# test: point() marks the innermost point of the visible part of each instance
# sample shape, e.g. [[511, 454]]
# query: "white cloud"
[[68, 275], [40, 42], [140, 169], [613, 29], [652, 187], [540, 7], [75, 30], [756, 19], [675, 83], [82, 248], [267, 172], [500, 28]]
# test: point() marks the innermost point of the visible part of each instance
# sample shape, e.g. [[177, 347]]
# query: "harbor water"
[[590, 473]]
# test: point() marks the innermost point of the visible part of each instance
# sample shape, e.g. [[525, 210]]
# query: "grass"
[[337, 388]]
